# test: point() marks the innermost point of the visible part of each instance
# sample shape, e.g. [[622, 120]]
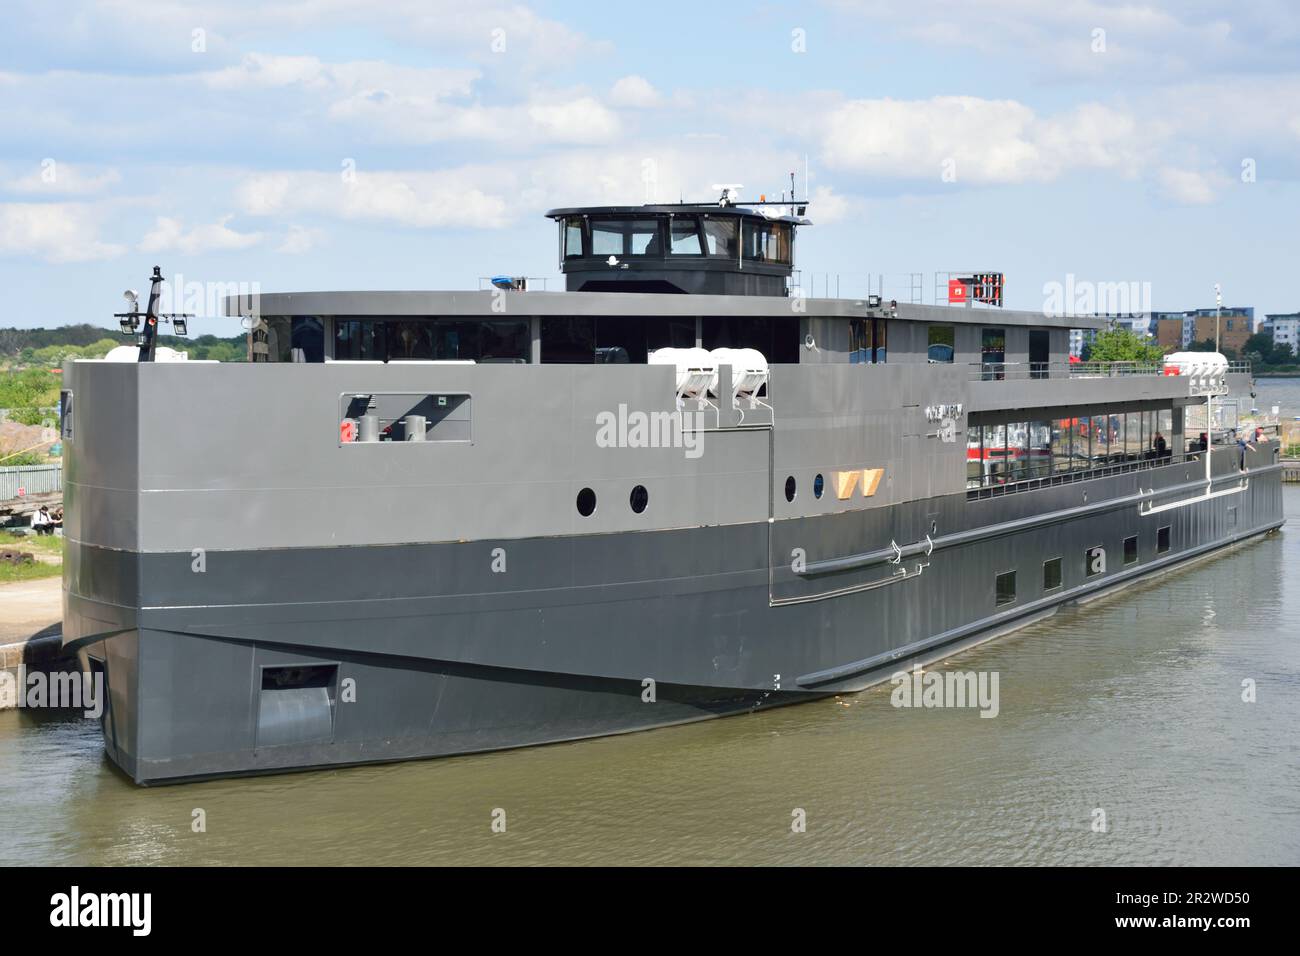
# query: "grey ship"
[[432, 523]]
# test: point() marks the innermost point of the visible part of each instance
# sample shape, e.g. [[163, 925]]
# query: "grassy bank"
[[48, 547]]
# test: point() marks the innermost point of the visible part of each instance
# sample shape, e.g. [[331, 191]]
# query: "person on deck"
[[1159, 445]]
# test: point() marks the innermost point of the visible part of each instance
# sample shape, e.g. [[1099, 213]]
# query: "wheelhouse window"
[[720, 237], [767, 242], [625, 237], [941, 339], [684, 237], [574, 231]]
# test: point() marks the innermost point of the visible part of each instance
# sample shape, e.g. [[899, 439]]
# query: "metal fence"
[[31, 479]]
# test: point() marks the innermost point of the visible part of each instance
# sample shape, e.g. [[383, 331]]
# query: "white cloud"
[[1186, 185], [978, 140], [299, 239], [416, 199], [54, 178], [55, 232], [635, 92], [170, 235], [582, 120]]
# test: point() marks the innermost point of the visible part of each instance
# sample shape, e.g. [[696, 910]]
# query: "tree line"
[[49, 347]]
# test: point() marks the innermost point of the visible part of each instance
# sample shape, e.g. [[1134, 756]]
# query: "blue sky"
[[328, 144]]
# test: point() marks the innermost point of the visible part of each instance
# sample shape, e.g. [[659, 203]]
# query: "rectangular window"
[[996, 464], [1052, 574], [573, 232], [1006, 588], [1039, 353], [684, 238], [974, 456], [568, 340], [1102, 440], [1094, 562], [505, 342], [625, 237], [1131, 550], [1162, 540], [1040, 449], [941, 342], [1018, 450], [859, 342], [878, 334], [993, 353], [720, 237]]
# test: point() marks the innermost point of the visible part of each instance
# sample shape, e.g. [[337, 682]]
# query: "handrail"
[[997, 371]]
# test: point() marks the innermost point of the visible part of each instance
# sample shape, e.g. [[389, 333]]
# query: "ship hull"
[[281, 659]]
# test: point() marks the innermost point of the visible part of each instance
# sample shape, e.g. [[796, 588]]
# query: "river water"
[[1131, 705]]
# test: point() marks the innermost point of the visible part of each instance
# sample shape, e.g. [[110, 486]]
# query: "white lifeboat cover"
[[697, 372], [749, 369]]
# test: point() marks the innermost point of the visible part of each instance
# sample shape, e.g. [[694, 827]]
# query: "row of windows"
[[716, 237], [1094, 564], [570, 340], [1000, 453]]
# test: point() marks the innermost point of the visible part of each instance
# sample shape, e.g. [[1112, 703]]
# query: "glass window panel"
[[1099, 439], [1018, 450], [940, 343], [993, 353], [625, 237], [457, 340], [1006, 588], [505, 342], [573, 229], [974, 456], [1116, 438], [995, 454], [1133, 447], [685, 237], [568, 340], [1040, 449], [720, 237]]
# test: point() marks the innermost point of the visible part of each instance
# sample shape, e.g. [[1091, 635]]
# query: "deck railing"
[[998, 371]]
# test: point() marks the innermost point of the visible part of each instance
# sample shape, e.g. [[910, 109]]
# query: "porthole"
[[639, 498], [790, 488], [819, 485], [586, 502]]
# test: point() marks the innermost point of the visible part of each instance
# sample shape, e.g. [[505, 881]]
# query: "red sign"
[[22, 492], [347, 430], [956, 291]]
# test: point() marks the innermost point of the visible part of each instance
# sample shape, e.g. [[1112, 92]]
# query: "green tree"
[[1280, 354], [1120, 345], [1259, 343]]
